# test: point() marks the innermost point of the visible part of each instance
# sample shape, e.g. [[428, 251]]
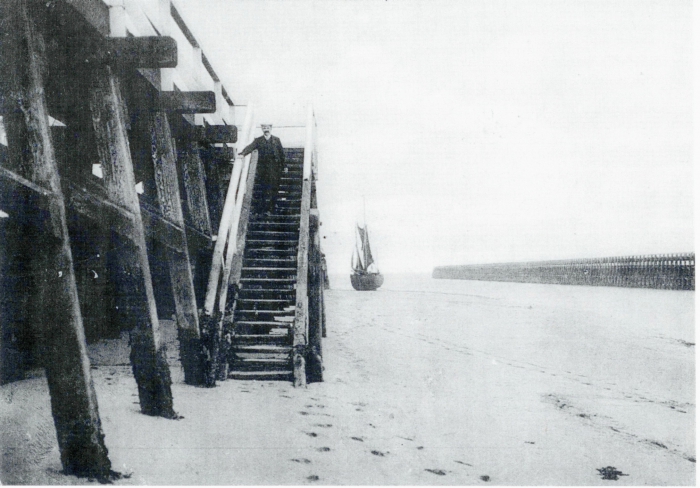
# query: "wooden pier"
[[122, 203], [660, 271]]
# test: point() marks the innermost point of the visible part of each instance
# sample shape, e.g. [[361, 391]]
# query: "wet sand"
[[426, 382]]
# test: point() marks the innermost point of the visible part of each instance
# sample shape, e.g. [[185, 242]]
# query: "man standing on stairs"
[[270, 164]]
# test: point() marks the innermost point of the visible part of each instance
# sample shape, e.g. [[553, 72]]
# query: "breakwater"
[[661, 271]]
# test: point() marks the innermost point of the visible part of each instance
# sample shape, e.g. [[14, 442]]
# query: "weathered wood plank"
[[205, 134], [193, 178], [193, 102], [73, 399], [130, 52], [134, 277], [164, 164], [220, 134]]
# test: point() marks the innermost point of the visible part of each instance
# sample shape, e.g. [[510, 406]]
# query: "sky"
[[475, 131]]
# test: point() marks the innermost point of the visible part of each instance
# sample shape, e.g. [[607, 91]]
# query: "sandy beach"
[[426, 382]]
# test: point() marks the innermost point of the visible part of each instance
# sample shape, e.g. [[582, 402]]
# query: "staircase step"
[[270, 280], [281, 242], [262, 349], [271, 234], [274, 227], [261, 315], [273, 219], [262, 375], [261, 365], [264, 323], [265, 252], [251, 262], [241, 340], [260, 268], [264, 304], [254, 294]]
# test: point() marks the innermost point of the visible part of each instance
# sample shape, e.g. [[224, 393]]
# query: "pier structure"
[[122, 203], [659, 271]]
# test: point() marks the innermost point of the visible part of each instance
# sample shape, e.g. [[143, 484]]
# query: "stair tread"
[[263, 347], [280, 325], [263, 300], [285, 375], [281, 313], [260, 268], [269, 279]]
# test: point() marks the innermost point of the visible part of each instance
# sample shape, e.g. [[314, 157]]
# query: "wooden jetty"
[[122, 203], [660, 271]]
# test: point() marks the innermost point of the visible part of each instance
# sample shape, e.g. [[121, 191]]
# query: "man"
[[270, 164]]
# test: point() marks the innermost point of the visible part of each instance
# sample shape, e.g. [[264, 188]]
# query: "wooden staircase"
[[265, 307]]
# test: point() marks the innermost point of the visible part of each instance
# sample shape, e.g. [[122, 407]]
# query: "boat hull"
[[366, 282]]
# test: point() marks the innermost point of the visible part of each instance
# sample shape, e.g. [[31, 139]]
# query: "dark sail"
[[367, 251], [362, 278]]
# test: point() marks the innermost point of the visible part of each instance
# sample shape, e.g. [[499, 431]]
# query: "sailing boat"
[[365, 275]]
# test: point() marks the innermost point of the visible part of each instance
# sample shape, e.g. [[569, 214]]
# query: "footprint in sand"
[[301, 460], [438, 472]]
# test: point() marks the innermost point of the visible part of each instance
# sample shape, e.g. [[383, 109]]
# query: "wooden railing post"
[[148, 358], [300, 342], [73, 401], [314, 371]]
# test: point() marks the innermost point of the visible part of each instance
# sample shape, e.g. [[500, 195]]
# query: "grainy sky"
[[476, 131]]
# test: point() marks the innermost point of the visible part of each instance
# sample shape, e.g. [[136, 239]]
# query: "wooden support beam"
[[73, 400], [220, 133], [221, 154], [204, 134], [314, 360], [148, 359], [131, 52], [164, 165], [193, 102]]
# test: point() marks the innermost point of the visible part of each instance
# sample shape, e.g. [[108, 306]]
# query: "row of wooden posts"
[[660, 271], [104, 164]]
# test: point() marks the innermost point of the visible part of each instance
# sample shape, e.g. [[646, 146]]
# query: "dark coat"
[[270, 158]]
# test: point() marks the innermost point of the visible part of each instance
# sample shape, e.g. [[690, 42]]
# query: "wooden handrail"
[[226, 219], [231, 249], [301, 316]]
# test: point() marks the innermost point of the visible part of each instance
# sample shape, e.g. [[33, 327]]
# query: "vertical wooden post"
[[314, 370], [148, 358], [73, 400], [300, 341], [167, 187]]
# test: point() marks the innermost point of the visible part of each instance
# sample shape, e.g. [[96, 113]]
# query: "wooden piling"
[[134, 284], [64, 354], [164, 163]]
